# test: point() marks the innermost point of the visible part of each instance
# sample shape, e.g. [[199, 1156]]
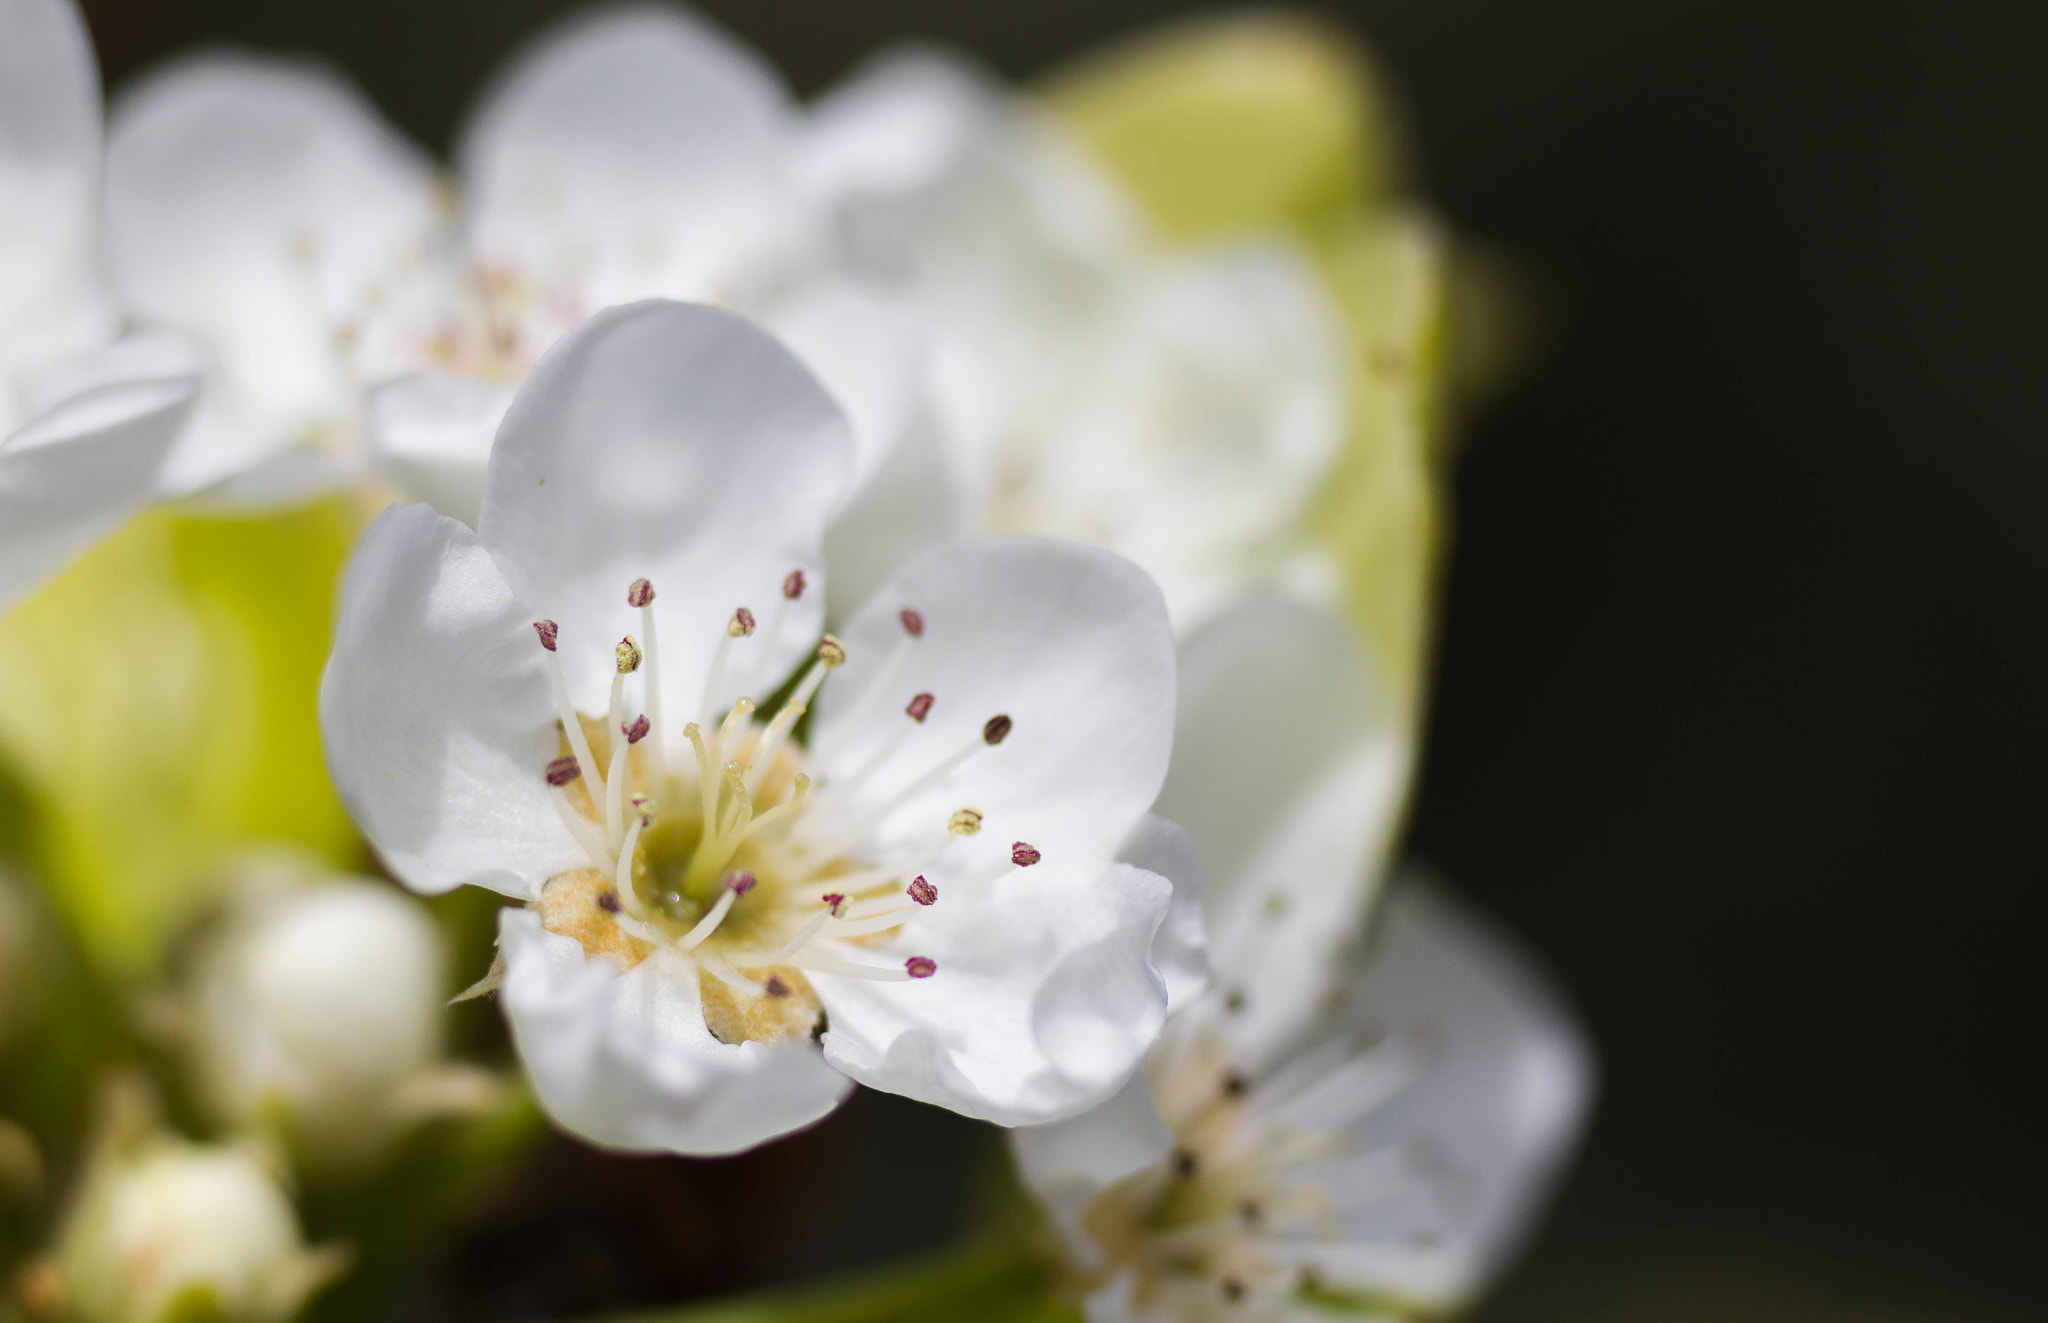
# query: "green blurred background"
[[1739, 710]]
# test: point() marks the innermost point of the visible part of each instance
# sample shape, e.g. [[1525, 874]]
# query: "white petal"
[[1066, 1164], [436, 713], [1044, 1000], [137, 356], [1288, 772], [51, 303], [677, 443], [431, 435], [1180, 950], [1502, 1099], [631, 153], [624, 1060], [79, 471], [1068, 641], [910, 488], [263, 205]]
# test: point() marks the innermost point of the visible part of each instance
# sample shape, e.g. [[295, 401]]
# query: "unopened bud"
[[563, 770], [636, 729], [920, 707], [997, 728], [741, 625], [793, 585], [920, 966], [831, 652], [549, 631], [627, 654], [964, 822], [640, 594], [913, 623], [1023, 855], [921, 891]]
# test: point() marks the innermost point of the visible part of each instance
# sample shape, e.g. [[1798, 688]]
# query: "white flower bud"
[[177, 1230], [319, 1006]]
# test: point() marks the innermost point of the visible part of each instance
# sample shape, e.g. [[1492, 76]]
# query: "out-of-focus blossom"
[[726, 928], [1317, 1132], [315, 1008], [85, 422], [162, 1229]]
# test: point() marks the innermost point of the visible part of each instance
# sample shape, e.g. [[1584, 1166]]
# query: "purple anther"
[[913, 623], [921, 891], [549, 631], [793, 585], [920, 707], [1023, 855], [739, 883], [608, 901], [744, 620], [997, 728], [920, 966], [640, 594], [636, 730], [833, 900], [775, 987], [563, 770]]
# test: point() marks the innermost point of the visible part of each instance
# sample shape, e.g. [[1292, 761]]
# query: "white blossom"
[[727, 925], [85, 419], [1324, 1130]]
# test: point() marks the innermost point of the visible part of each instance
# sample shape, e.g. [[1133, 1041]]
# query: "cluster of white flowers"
[[677, 355]]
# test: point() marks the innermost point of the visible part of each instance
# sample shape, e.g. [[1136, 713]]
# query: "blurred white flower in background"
[[1322, 1130], [161, 1229], [1017, 352], [85, 420], [313, 1010], [726, 927]]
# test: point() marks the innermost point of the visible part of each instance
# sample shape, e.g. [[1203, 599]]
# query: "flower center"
[[1263, 1170], [714, 843]]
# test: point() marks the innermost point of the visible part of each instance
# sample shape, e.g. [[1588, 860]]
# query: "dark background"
[[1740, 716]]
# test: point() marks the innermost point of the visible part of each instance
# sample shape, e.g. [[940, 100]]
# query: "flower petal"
[[1180, 950], [624, 1060], [633, 152], [79, 471], [51, 302], [262, 205], [680, 444], [431, 434], [1502, 1099], [1070, 642], [436, 713], [1043, 1003], [1068, 1163], [1288, 772]]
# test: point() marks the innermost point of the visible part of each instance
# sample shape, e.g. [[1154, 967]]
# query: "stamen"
[[920, 966], [797, 794], [641, 595], [623, 883], [852, 835], [708, 925], [775, 987], [715, 680], [778, 730], [833, 900], [831, 651], [741, 626], [996, 729], [586, 832], [965, 822], [885, 679], [921, 891], [715, 965], [562, 771], [824, 964], [627, 655], [875, 923], [615, 794], [636, 729], [794, 944], [792, 589], [565, 711], [1023, 855], [919, 707]]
